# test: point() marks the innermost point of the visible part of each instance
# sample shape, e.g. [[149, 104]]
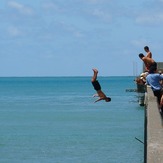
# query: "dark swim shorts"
[[96, 85], [153, 67]]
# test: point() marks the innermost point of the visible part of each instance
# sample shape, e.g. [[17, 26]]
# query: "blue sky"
[[70, 37]]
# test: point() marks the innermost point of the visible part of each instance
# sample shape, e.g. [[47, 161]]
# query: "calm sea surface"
[[55, 120]]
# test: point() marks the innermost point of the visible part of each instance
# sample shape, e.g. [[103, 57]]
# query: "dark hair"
[[141, 55], [109, 99], [146, 47]]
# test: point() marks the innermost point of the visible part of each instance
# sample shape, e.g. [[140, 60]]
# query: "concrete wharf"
[[153, 135]]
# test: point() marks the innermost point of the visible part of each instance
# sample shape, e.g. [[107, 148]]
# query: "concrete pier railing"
[[153, 130]]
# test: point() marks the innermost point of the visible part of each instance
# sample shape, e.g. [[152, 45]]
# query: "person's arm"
[[102, 98], [149, 55], [161, 101], [98, 100]]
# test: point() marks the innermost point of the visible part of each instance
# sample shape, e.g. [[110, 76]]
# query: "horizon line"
[[65, 76]]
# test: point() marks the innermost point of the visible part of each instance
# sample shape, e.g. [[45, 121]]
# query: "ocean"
[[55, 120]]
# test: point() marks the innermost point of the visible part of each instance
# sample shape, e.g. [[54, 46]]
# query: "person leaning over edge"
[[149, 62], [153, 79], [149, 54], [97, 87]]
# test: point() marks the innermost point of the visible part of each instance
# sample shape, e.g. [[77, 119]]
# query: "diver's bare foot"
[[95, 70]]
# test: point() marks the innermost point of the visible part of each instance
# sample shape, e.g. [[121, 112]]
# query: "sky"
[[70, 37]]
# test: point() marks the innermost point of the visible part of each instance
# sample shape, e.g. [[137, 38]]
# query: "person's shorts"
[[153, 67], [96, 85]]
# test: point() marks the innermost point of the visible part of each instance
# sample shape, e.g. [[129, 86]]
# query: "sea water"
[[55, 120]]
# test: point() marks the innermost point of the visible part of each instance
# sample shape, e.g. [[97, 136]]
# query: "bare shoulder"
[[149, 55]]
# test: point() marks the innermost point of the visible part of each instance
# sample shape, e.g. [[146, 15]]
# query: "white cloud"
[[20, 8], [93, 1], [151, 19], [102, 15], [96, 1], [71, 29], [14, 31], [49, 6], [139, 43]]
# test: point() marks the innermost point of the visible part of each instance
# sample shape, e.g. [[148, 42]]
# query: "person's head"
[[108, 99], [146, 48], [141, 55]]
